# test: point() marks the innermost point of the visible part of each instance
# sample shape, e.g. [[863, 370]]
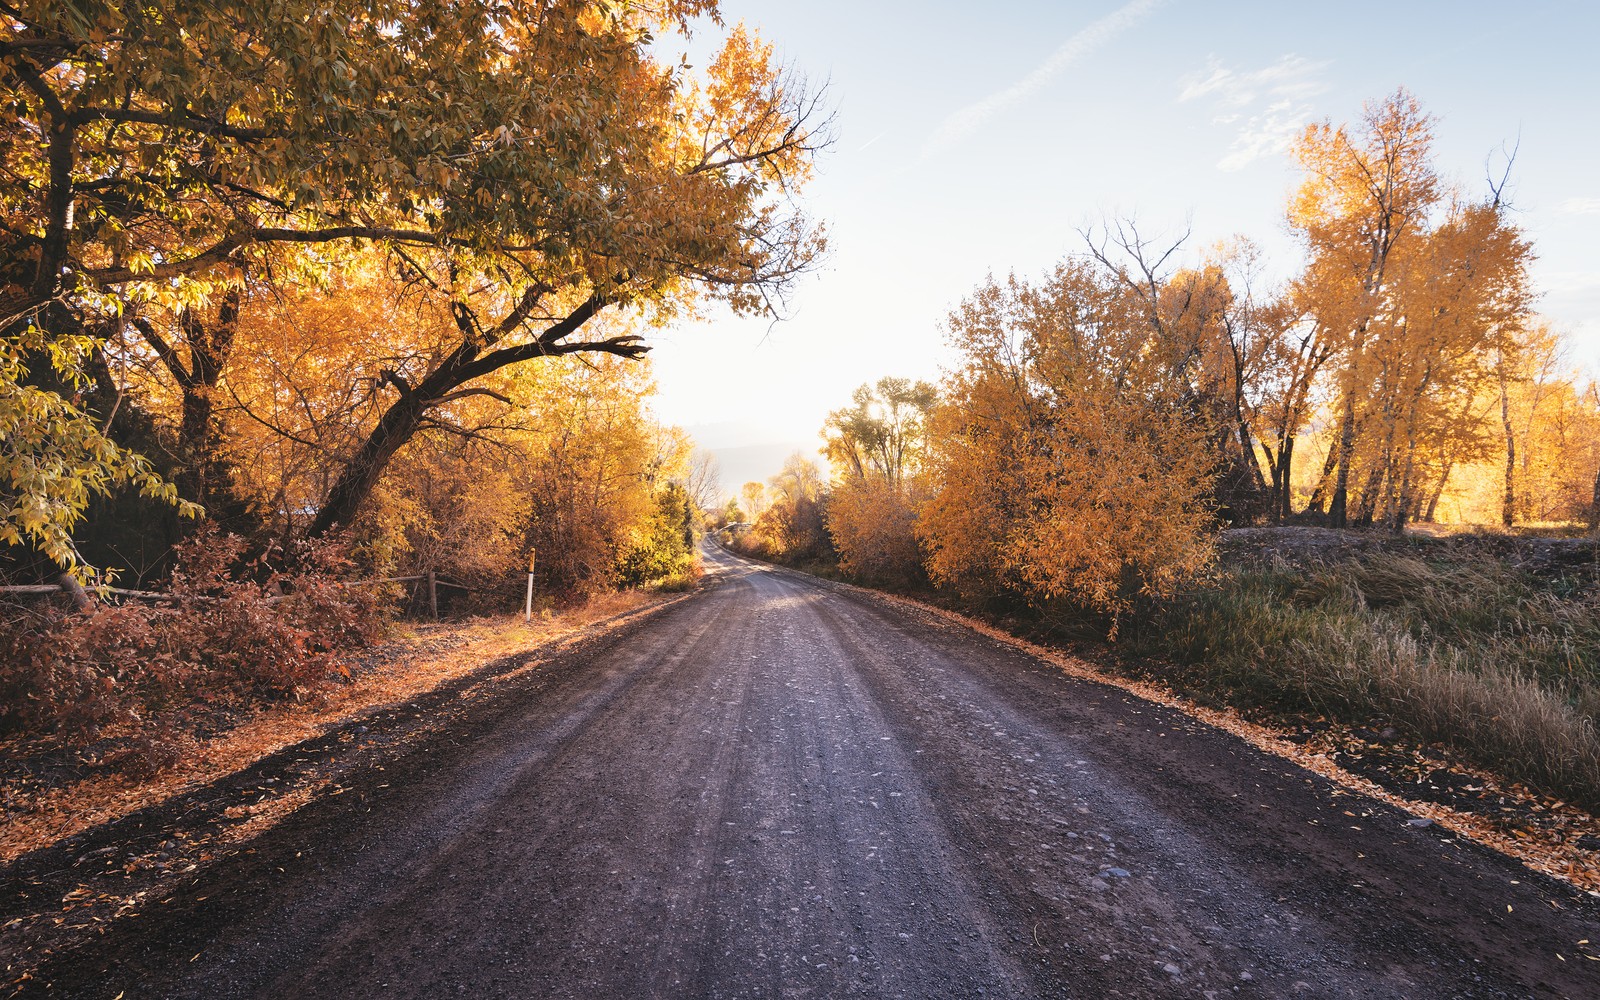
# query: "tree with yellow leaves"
[[530, 162], [792, 526], [1413, 285], [1064, 465], [876, 447]]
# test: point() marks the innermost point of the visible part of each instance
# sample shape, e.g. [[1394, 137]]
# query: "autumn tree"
[[1414, 286], [1541, 430], [1064, 466], [792, 525], [753, 500], [598, 481], [1366, 199], [1527, 367], [1216, 334], [663, 545], [703, 482], [876, 448], [530, 163], [882, 432], [562, 457]]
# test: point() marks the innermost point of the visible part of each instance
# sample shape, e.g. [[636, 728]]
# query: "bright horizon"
[[975, 141]]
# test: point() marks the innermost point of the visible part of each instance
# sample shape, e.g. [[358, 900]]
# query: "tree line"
[[1103, 419]]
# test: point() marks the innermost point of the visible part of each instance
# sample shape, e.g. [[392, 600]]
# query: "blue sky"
[[977, 139]]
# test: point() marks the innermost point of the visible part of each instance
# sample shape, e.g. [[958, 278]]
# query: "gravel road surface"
[[786, 788]]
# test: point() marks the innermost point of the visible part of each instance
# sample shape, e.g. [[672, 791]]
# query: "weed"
[[238, 631], [1445, 641]]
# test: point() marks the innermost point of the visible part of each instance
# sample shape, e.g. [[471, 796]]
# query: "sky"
[[978, 139]]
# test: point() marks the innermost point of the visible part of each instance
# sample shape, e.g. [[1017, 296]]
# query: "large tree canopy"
[[532, 161]]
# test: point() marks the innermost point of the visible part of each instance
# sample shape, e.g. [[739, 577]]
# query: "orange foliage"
[[1416, 288], [873, 525], [1063, 466], [877, 447]]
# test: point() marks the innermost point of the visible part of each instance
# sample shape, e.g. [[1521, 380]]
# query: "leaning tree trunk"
[[404, 417], [1367, 508], [1319, 495], [206, 476], [1438, 492], [1405, 503], [1283, 477], [360, 476]]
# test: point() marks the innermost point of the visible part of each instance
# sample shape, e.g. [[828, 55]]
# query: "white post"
[[527, 611]]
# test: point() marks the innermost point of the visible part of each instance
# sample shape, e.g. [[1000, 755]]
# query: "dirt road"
[[781, 788]]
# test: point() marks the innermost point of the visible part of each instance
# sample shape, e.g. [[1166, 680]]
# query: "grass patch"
[[1447, 641]]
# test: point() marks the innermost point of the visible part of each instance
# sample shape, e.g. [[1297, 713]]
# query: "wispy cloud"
[[969, 119], [1266, 107], [1581, 206]]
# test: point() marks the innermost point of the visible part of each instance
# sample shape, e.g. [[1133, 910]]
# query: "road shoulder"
[[106, 850], [1553, 848]]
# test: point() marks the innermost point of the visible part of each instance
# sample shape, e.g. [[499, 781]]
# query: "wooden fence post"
[[433, 596]]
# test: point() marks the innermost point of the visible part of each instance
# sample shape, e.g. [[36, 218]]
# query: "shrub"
[[873, 525], [1452, 646], [684, 579], [239, 630], [663, 546], [1066, 466]]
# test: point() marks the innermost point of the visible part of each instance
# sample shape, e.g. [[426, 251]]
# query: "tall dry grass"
[[1450, 645]]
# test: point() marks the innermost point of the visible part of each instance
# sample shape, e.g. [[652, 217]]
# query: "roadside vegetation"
[[1245, 488], [297, 300], [223, 638], [1450, 642]]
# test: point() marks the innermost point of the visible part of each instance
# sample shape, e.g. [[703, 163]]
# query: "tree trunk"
[[1346, 451], [1274, 484], [401, 421], [1508, 506], [1368, 506], [1247, 445], [205, 477], [1284, 476], [1433, 501], [358, 478], [1404, 502], [1319, 495], [1594, 505]]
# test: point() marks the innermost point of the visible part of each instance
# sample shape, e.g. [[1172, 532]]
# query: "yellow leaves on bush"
[[876, 447], [873, 524], [790, 525], [1063, 464]]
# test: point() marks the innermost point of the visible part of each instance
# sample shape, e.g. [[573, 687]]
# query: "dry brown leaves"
[[400, 669]]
